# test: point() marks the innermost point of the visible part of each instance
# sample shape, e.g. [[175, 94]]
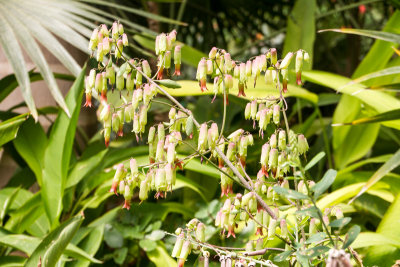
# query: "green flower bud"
[[266, 217], [171, 153], [213, 53], [115, 123], [106, 45], [160, 151], [273, 158], [160, 180], [274, 56], [104, 30], [264, 120], [302, 144], [286, 61], [136, 124], [246, 199], [272, 141], [94, 40], [253, 109], [130, 82], [120, 82], [242, 73], [228, 81], [167, 60], [134, 168], [247, 111], [161, 132], [284, 229], [202, 141], [105, 113], [189, 126], [114, 31], [236, 72], [306, 57], [231, 152], [292, 139], [271, 228], [263, 62], [200, 232], [143, 191], [162, 43], [170, 175], [282, 140], [99, 82], [213, 135], [250, 246], [265, 154], [176, 251], [312, 228], [125, 41], [142, 117], [228, 62], [172, 35], [121, 187], [186, 248], [299, 66], [248, 68], [177, 60], [268, 77], [276, 114], [120, 29], [150, 137], [139, 77]]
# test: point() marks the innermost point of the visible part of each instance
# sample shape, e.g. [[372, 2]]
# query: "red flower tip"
[[177, 70], [103, 96], [127, 204], [160, 74], [285, 85], [107, 142], [298, 78], [88, 102], [203, 85], [241, 89]]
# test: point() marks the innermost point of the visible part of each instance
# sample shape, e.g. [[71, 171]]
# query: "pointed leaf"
[[9, 128], [54, 244], [282, 256], [385, 36], [326, 181], [289, 193], [381, 117], [160, 257], [314, 160], [339, 223], [58, 152], [316, 238], [351, 236]]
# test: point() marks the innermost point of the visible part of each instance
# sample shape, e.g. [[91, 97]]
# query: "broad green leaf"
[[351, 236], [316, 238], [191, 88], [326, 181], [53, 245], [354, 166], [316, 251], [377, 74], [387, 226], [9, 128], [169, 83], [381, 117], [147, 244], [282, 256], [311, 211], [339, 195], [183, 181], [155, 235], [160, 257], [300, 29], [289, 193], [84, 167], [314, 160], [58, 153], [12, 261], [391, 164], [369, 239], [379, 101], [380, 35], [31, 143], [12, 50], [339, 223]]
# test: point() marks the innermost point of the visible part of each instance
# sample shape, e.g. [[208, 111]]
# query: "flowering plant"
[[280, 202]]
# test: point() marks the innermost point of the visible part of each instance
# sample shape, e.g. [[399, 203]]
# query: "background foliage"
[[41, 205]]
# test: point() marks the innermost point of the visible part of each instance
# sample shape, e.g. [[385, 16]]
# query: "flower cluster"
[[164, 46], [223, 70]]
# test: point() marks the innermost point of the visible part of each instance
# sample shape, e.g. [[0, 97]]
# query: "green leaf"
[[339, 223], [382, 117], [369, 239], [378, 159], [31, 143], [388, 225], [147, 244], [314, 160], [339, 196], [326, 181], [169, 83], [90, 245], [391, 164], [316, 251], [12, 50], [7, 204], [160, 257], [155, 235], [311, 211], [316, 238], [289, 193], [113, 237], [54, 244], [12, 261], [183, 181], [351, 236], [84, 167], [282, 256], [9, 128], [58, 153], [380, 35], [300, 29], [119, 255]]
